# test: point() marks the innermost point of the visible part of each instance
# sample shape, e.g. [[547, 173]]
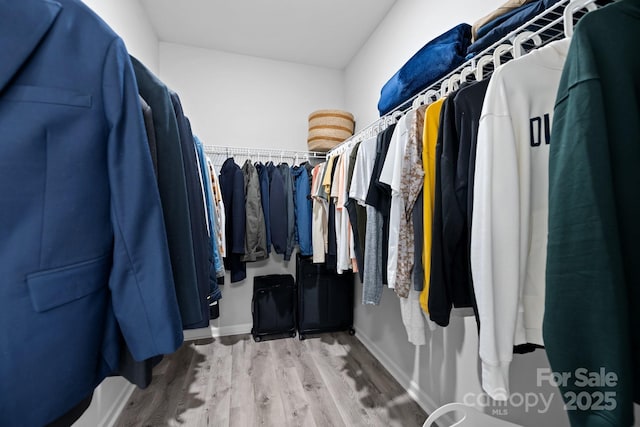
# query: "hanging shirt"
[[332, 245], [219, 208], [468, 106], [411, 182], [391, 175], [349, 206], [509, 227], [591, 315], [418, 242], [357, 215], [362, 171], [346, 248], [375, 255], [319, 218], [379, 194], [218, 268], [449, 285], [328, 175], [341, 216], [431, 123]]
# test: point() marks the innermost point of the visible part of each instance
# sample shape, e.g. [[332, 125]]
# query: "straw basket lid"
[[328, 128]]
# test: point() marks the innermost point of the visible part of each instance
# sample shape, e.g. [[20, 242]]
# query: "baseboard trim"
[[117, 407], [215, 331], [413, 389]]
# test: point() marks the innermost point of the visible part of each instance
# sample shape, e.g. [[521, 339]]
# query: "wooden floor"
[[327, 380]]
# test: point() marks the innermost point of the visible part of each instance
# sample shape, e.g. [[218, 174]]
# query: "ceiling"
[[325, 33]]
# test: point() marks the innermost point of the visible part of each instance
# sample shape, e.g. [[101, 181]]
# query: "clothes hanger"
[[498, 52], [444, 88], [395, 116], [483, 61], [417, 102], [454, 83], [430, 96], [466, 72], [571, 9], [518, 50]]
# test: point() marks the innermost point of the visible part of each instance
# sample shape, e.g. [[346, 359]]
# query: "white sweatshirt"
[[509, 224]]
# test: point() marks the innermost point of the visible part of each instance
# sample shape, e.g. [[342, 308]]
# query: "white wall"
[[447, 368], [129, 20], [244, 101]]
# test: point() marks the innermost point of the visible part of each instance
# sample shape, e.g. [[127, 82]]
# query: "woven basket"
[[328, 128]]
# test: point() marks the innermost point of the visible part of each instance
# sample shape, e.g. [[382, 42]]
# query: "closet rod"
[[550, 23], [273, 152]]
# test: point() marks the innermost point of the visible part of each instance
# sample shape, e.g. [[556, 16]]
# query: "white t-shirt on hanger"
[[392, 175]]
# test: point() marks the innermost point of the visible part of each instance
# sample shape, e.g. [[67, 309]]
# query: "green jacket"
[[592, 309]]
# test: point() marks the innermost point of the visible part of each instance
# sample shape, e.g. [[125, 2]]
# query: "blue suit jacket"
[[83, 251]]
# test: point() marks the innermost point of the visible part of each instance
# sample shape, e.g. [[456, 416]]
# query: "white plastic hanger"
[[454, 82], [466, 72], [444, 88], [571, 9], [518, 50], [417, 102], [498, 52], [430, 96], [482, 62]]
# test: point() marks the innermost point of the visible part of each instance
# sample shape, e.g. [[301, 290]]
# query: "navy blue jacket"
[[203, 257], [277, 209], [83, 249], [232, 189], [303, 209], [290, 207]]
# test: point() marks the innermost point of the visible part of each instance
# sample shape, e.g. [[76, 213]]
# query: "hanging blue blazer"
[[83, 249]]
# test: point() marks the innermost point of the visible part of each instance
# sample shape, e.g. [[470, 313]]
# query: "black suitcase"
[[325, 298], [273, 306]]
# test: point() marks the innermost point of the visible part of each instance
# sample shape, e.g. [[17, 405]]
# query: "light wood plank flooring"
[[325, 380]]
